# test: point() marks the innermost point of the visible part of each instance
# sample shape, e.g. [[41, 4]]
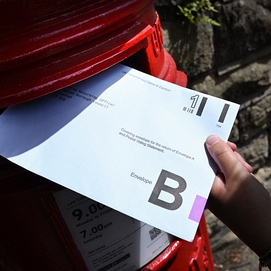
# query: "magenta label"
[[197, 208]]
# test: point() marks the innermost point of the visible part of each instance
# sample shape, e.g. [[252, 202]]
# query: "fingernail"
[[211, 140]]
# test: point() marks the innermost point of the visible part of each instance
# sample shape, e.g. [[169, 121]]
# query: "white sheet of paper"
[[119, 135], [107, 239]]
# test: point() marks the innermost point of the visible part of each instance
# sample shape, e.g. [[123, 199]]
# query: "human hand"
[[237, 198], [228, 161]]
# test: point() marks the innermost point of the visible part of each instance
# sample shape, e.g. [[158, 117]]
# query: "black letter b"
[[160, 185]]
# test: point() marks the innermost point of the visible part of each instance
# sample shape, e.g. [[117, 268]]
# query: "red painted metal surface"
[[30, 235], [45, 46], [185, 256], [34, 235], [48, 45]]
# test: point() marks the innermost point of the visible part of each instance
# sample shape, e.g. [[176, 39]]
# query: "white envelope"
[[126, 139]]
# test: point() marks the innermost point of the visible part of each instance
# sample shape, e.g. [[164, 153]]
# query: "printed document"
[[125, 139]]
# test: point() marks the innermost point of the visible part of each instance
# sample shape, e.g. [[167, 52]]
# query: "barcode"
[[154, 233]]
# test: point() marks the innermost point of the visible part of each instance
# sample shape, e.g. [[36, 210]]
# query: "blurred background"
[[224, 47]]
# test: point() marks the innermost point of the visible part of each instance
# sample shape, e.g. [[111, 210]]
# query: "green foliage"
[[193, 10]]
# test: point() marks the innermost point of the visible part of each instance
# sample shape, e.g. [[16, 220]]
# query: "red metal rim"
[[54, 44], [165, 257]]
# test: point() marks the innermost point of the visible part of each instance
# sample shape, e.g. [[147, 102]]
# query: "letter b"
[[160, 185]]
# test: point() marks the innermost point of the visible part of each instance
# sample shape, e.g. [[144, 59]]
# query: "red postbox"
[[48, 45]]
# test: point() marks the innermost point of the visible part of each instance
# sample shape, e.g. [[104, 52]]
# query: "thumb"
[[224, 156]]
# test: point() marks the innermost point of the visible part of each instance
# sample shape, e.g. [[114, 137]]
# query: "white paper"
[[107, 239], [110, 137]]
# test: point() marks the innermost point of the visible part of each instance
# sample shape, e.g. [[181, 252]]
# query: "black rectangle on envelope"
[[201, 106], [223, 113]]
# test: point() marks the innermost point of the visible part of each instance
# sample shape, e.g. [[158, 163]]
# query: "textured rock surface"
[[232, 61], [191, 46], [245, 27]]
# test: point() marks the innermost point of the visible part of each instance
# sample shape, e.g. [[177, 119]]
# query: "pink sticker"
[[197, 208]]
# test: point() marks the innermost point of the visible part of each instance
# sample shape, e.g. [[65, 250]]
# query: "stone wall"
[[232, 61]]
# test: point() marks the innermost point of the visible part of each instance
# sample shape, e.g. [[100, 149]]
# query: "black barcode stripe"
[[201, 106], [224, 113]]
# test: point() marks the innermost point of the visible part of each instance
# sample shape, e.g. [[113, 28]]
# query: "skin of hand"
[[237, 198]]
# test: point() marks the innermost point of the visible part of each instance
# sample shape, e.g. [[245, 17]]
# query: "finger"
[[234, 148], [232, 145], [224, 157], [241, 159]]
